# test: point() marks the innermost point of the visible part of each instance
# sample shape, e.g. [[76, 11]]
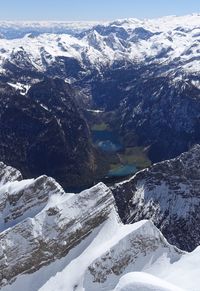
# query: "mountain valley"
[[100, 155]]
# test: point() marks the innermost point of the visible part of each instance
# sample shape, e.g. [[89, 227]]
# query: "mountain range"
[[146, 72], [66, 241], [61, 227]]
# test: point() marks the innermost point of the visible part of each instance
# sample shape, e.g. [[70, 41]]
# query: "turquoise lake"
[[109, 142], [123, 171]]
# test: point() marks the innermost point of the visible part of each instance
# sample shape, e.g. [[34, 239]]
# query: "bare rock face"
[[52, 240], [77, 155], [25, 198], [142, 244], [8, 174], [41, 223], [168, 194], [45, 133]]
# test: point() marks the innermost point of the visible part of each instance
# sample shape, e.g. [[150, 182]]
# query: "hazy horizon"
[[90, 10], [92, 20]]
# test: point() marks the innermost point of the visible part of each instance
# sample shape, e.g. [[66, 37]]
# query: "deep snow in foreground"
[[167, 274], [139, 281], [54, 241], [162, 268]]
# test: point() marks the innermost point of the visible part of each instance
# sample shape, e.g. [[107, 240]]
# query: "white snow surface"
[[23, 89], [164, 268], [168, 270], [167, 40], [139, 281], [163, 274], [112, 257], [108, 236]]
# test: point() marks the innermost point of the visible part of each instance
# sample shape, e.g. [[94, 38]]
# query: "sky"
[[94, 9]]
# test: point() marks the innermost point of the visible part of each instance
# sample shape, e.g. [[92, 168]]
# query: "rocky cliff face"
[[130, 253], [59, 98], [51, 240], [8, 174], [41, 223], [163, 112], [44, 133], [168, 194], [146, 71]]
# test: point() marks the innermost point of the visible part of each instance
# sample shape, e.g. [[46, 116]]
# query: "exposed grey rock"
[[131, 253], [168, 194], [26, 198], [42, 226], [41, 223], [46, 134], [8, 174]]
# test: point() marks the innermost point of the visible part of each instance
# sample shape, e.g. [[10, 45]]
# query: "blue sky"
[[93, 9]]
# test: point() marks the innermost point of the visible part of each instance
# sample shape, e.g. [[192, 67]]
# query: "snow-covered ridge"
[[77, 242], [167, 193], [169, 40], [17, 29], [164, 23], [40, 222], [116, 250]]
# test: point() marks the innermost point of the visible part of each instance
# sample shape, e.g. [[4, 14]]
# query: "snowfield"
[[139, 281], [159, 267], [169, 40], [82, 243], [56, 241]]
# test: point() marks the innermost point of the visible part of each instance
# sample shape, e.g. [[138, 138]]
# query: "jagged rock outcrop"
[[46, 134], [41, 223], [167, 193], [131, 252], [71, 242], [25, 198], [8, 174], [163, 113]]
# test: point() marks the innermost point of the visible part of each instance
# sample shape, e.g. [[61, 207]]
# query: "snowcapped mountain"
[[147, 74], [74, 242], [146, 71], [18, 29], [41, 223], [172, 41], [167, 193]]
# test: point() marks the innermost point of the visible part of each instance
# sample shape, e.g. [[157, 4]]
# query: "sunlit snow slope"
[[51, 240], [169, 40]]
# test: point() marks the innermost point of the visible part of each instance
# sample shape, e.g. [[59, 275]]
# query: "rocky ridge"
[[74, 242], [167, 193], [41, 223], [147, 72], [42, 133]]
